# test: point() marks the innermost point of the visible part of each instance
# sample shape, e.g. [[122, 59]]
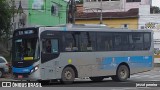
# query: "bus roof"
[[87, 27]]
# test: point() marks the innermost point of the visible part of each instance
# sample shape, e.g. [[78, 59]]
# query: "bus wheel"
[[96, 79], [122, 73], [68, 75]]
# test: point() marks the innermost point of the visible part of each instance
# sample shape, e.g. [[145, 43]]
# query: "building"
[[151, 21], [38, 12], [127, 19], [113, 5]]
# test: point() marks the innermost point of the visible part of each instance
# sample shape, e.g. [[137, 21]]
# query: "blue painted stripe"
[[22, 70], [133, 61]]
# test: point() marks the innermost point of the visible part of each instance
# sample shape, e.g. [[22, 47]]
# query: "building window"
[[125, 26], [133, 0]]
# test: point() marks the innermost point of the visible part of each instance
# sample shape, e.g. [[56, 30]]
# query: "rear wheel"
[[96, 79], [1, 73], [122, 73], [68, 75]]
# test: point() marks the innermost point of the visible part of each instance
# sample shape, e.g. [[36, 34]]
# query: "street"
[[151, 77], [107, 84]]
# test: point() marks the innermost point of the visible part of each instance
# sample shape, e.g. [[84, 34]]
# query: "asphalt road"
[[142, 81], [147, 80]]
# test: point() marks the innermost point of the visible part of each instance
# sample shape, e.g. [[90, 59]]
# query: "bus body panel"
[[91, 64], [106, 64]]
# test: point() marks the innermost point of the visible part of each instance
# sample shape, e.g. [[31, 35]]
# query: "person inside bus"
[[48, 46], [24, 50], [29, 49]]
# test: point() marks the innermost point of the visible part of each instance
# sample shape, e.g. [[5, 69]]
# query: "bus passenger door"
[[49, 53]]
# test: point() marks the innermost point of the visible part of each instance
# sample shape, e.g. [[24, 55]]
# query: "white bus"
[[72, 51]]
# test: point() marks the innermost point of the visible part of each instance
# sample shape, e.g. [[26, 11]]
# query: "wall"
[[114, 6], [129, 5], [38, 12], [113, 23], [152, 22], [45, 16]]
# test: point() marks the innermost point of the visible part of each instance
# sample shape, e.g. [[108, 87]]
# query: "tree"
[[5, 20], [155, 9], [5, 24]]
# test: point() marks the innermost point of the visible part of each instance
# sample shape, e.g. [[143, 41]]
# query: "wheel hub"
[[68, 75], [123, 73]]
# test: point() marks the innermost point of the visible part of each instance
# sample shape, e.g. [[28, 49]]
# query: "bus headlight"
[[34, 69]]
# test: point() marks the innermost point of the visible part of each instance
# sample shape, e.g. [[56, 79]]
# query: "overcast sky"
[[156, 3]]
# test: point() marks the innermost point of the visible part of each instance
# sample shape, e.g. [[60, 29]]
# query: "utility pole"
[[13, 12], [72, 11], [101, 16]]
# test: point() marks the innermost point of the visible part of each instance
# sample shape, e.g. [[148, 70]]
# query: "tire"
[[68, 75], [1, 73], [122, 74], [96, 79]]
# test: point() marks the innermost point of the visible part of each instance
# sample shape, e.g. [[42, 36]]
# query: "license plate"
[[20, 76]]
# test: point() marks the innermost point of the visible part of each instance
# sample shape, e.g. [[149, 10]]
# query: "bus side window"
[[50, 46], [54, 48], [70, 42], [68, 47]]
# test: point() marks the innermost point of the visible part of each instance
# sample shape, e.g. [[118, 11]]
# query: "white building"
[[114, 5], [150, 21]]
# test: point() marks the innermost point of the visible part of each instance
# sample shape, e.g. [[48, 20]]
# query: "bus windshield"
[[26, 49]]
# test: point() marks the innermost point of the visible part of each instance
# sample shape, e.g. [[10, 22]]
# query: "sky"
[[156, 3]]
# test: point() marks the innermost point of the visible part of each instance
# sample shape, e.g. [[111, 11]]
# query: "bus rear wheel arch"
[[122, 73], [68, 75]]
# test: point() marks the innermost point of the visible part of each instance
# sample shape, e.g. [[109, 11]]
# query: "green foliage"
[[5, 19], [155, 9]]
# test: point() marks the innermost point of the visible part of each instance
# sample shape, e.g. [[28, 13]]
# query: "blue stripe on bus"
[[133, 61], [22, 70]]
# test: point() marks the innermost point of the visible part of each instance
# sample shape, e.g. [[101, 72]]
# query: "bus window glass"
[[54, 44], [85, 42], [26, 49], [136, 41], [104, 41], [50, 46], [70, 41], [91, 41], [147, 40]]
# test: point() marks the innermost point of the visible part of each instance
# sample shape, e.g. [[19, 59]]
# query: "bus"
[[70, 51]]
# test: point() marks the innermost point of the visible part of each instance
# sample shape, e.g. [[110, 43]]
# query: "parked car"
[[4, 66]]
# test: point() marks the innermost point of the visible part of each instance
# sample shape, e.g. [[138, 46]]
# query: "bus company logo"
[[6, 84], [21, 84]]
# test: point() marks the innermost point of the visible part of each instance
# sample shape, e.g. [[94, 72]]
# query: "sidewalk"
[[156, 69]]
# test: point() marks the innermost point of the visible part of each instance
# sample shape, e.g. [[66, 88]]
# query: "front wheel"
[[122, 74], [68, 75], [96, 79]]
